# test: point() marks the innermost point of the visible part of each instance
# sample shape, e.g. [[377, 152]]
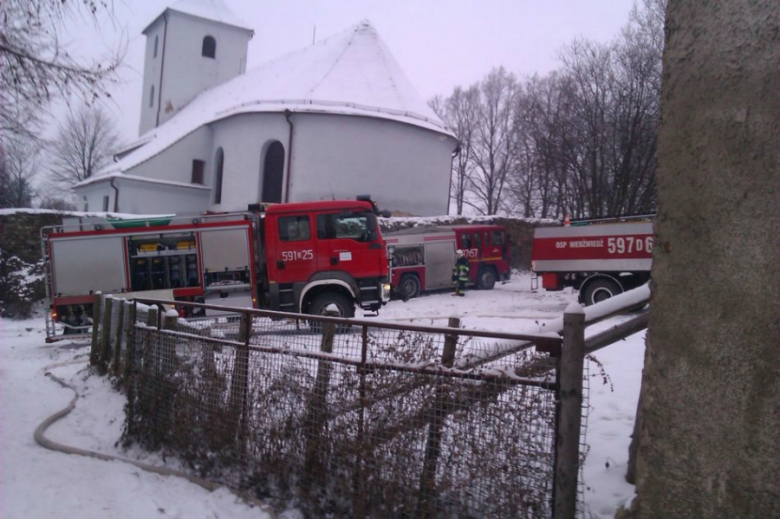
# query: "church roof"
[[214, 10], [351, 73]]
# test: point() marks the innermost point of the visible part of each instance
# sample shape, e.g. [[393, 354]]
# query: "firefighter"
[[460, 274]]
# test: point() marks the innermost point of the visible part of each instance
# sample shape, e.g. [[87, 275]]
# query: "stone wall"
[[21, 272]]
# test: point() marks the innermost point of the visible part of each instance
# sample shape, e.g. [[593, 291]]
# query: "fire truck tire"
[[486, 279], [409, 287], [344, 307], [600, 289]]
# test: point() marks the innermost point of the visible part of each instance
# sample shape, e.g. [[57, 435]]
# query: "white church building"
[[334, 120]]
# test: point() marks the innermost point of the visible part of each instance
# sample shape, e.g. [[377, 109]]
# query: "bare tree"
[[494, 147], [460, 112], [35, 66], [84, 144], [18, 164]]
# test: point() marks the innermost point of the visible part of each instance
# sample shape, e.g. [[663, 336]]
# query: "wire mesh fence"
[[346, 420]]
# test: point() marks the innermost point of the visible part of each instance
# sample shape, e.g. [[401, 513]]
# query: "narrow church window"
[[219, 165], [156, 38], [105, 203], [197, 171], [151, 97], [209, 49], [273, 173]]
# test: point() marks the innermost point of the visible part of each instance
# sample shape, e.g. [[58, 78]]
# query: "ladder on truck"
[[612, 219]]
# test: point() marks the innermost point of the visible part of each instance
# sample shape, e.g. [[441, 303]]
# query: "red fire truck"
[[298, 257], [421, 258], [600, 258]]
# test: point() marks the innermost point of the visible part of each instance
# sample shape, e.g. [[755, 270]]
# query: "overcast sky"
[[439, 44]]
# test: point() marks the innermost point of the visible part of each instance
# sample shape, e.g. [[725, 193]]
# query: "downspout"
[[116, 195], [162, 67], [455, 153], [287, 115]]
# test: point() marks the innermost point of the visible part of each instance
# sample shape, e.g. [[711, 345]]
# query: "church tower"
[[192, 46]]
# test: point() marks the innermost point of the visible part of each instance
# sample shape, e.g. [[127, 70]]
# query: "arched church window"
[[209, 49], [219, 164], [156, 38], [151, 97], [273, 173]]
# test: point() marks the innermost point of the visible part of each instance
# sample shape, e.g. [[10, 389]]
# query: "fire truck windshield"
[[359, 226]]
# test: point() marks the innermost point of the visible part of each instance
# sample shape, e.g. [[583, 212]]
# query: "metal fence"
[[353, 418]]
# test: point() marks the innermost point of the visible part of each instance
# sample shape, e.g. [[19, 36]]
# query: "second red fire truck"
[[297, 257], [421, 258], [600, 258]]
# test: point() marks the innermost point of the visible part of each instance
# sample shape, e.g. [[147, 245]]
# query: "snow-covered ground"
[[38, 483]]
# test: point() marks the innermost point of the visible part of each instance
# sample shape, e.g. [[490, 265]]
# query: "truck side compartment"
[[600, 260]]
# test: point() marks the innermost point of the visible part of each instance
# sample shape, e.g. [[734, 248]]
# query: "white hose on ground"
[[43, 441], [526, 317]]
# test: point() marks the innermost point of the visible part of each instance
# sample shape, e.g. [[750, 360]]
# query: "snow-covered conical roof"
[[214, 10], [351, 73]]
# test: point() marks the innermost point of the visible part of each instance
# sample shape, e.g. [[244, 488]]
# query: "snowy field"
[[36, 483]]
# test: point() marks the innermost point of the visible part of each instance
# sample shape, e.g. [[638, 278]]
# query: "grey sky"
[[439, 44]]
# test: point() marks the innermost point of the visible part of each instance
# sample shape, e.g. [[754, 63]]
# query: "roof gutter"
[[287, 115]]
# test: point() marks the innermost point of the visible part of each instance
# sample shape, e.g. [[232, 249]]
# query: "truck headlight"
[[386, 292]]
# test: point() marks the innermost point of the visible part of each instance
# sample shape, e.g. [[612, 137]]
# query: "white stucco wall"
[[144, 198], [244, 139], [151, 77], [175, 163], [403, 167], [90, 198], [186, 72]]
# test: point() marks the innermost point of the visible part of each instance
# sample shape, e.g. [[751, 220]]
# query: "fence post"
[[151, 316], [128, 369], [105, 335], [130, 342], [167, 345], [315, 415], [94, 353], [567, 455], [239, 384], [149, 354], [435, 425], [358, 499], [120, 331]]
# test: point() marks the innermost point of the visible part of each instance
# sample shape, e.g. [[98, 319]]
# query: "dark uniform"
[[460, 274]]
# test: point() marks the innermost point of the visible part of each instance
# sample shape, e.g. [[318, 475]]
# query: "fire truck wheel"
[[486, 279], [409, 287], [599, 290], [343, 305]]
